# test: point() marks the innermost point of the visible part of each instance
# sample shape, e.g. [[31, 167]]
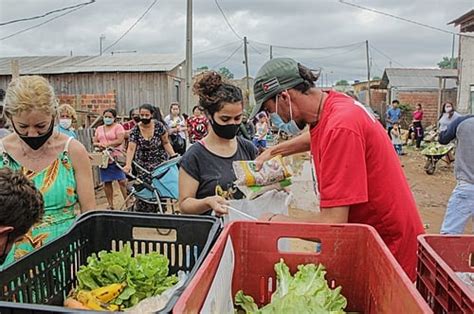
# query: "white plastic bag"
[[275, 202]]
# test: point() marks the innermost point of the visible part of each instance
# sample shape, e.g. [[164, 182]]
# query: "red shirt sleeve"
[[343, 175]]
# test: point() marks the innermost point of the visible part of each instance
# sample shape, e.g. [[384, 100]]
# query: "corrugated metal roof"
[[417, 78], [81, 64]]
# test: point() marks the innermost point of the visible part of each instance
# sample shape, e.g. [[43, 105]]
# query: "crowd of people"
[[359, 178]]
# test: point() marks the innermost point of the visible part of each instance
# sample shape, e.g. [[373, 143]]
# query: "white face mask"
[[65, 123], [448, 109], [290, 127]]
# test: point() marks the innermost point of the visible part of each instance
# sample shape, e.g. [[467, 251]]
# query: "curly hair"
[[69, 110], [213, 92], [28, 93], [21, 204]]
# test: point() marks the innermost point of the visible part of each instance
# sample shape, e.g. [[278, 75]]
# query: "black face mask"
[[4, 255], [145, 120], [227, 131], [35, 142], [136, 119]]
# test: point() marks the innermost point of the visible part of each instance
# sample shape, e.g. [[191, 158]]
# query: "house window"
[[176, 91]]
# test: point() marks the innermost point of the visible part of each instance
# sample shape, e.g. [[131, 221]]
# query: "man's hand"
[[266, 155]]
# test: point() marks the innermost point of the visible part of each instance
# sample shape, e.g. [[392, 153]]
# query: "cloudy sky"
[[282, 23]]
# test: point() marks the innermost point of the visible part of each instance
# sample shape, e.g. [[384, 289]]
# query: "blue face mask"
[[108, 121], [290, 127]]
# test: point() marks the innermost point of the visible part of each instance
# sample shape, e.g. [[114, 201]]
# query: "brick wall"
[[90, 102], [378, 98], [429, 102]]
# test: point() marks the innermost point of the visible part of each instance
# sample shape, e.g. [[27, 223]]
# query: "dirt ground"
[[431, 191]]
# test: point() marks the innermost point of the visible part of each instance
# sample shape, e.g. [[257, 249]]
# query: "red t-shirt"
[[357, 166]]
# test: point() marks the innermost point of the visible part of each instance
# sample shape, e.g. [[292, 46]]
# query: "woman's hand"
[[127, 169], [217, 204]]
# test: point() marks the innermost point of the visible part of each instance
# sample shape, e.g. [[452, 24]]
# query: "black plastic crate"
[[39, 282]]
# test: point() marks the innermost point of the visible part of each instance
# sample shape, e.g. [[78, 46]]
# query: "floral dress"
[[57, 184]]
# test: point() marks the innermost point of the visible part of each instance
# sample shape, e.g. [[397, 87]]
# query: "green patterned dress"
[[57, 184]]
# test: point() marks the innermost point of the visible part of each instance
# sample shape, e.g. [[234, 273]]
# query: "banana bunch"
[[99, 299]]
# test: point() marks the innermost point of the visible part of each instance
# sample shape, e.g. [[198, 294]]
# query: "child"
[[21, 206], [396, 138], [261, 128]]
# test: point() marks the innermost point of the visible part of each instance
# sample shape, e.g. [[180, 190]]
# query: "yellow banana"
[[88, 300], [108, 293]]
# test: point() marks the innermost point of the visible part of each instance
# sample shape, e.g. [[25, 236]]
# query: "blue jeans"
[[260, 143], [460, 208]]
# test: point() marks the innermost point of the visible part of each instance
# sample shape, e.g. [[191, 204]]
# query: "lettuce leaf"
[[146, 275], [305, 292]]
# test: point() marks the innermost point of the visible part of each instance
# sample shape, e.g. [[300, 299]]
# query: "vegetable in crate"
[[305, 292], [116, 280]]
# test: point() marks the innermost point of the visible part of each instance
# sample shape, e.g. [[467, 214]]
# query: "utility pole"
[[368, 71], [247, 94], [271, 52], [101, 39], [189, 55], [452, 52]]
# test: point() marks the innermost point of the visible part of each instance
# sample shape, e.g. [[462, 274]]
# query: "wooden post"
[[440, 90], [15, 66]]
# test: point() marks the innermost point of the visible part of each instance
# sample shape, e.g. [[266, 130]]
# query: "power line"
[[385, 55], [254, 49], [228, 58], [132, 26], [47, 13], [40, 24], [227, 20], [309, 48], [402, 19], [217, 48]]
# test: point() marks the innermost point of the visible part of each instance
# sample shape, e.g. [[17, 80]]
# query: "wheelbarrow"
[[433, 155]]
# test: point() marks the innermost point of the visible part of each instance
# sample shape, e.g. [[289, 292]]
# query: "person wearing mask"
[[393, 115], [57, 164], [134, 119], [197, 125], [67, 116], [148, 146], [20, 194], [111, 136], [359, 176], [448, 115], [206, 175], [176, 128], [246, 128], [461, 203]]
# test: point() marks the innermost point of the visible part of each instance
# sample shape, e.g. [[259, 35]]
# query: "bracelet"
[[271, 217]]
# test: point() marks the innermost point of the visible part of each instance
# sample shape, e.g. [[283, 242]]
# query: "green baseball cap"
[[275, 76]]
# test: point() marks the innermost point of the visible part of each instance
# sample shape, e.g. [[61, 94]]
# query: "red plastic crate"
[[354, 256], [439, 257]]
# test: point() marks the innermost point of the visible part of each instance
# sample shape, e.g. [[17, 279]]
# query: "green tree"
[[202, 68], [342, 83], [448, 63], [226, 73]]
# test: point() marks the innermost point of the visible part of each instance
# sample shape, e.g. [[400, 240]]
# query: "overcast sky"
[[291, 23]]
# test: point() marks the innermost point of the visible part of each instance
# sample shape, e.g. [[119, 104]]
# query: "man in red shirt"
[[359, 176]]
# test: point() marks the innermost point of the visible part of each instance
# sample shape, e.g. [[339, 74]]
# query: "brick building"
[[99, 82], [420, 86]]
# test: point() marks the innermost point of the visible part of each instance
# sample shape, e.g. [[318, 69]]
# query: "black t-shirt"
[[214, 173]]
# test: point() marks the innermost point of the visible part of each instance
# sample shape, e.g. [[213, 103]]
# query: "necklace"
[[39, 154]]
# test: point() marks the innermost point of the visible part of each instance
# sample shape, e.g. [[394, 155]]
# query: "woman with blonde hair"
[[57, 164], [67, 116]]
